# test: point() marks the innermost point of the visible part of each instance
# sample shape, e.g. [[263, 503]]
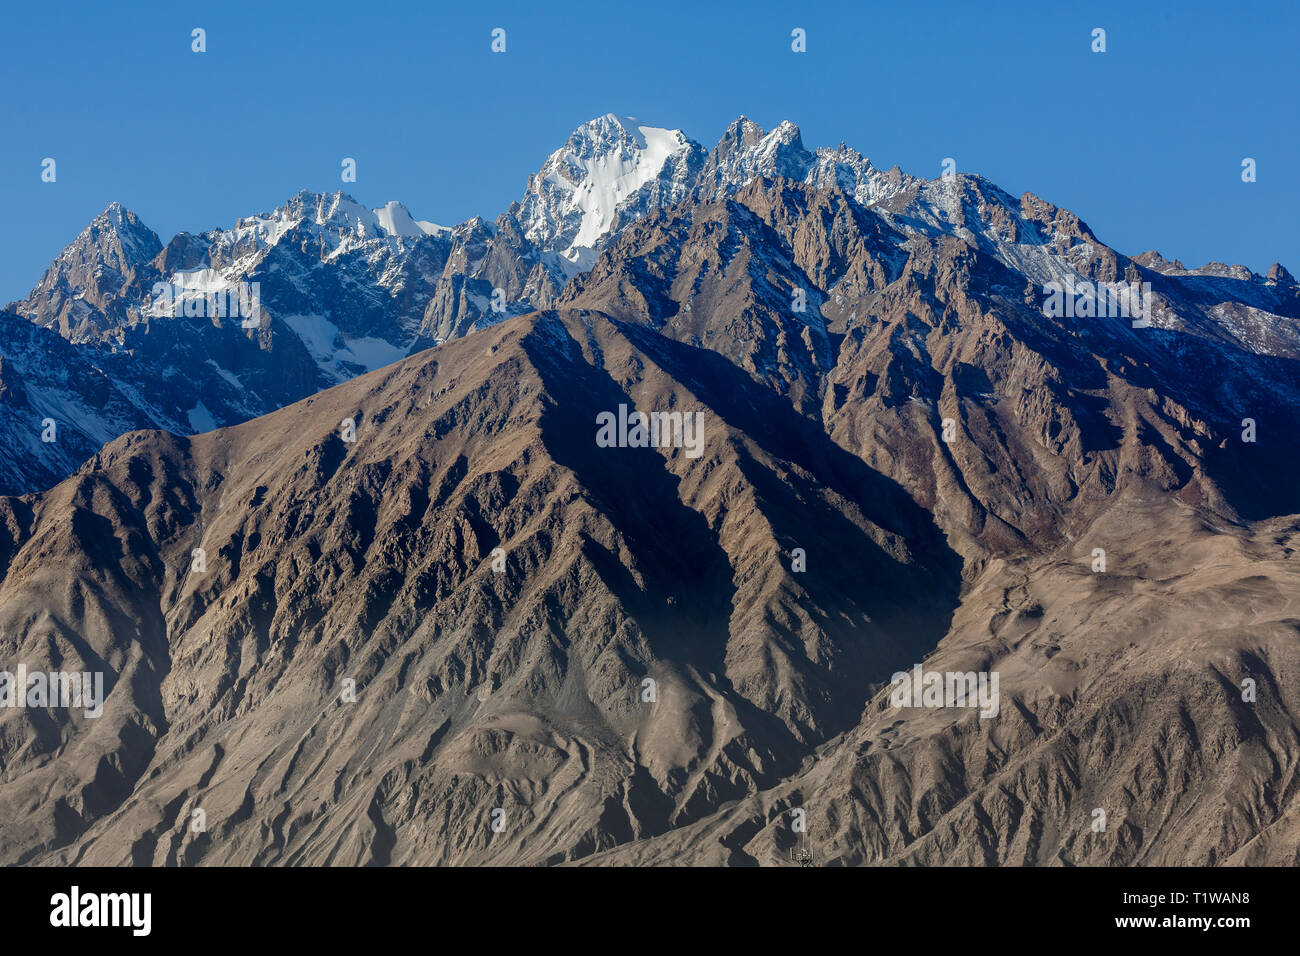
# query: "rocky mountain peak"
[[91, 273], [114, 240], [1154, 261], [746, 151], [610, 171], [1277, 275]]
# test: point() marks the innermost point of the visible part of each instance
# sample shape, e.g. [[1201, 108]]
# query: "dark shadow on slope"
[[1211, 377], [900, 607], [676, 552], [685, 604], [882, 613]]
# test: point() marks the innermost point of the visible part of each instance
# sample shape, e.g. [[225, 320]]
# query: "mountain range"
[[344, 289], [435, 621]]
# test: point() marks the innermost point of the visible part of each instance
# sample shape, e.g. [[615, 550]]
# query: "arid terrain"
[[437, 623]]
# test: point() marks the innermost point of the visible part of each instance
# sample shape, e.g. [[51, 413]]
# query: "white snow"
[[201, 419], [332, 350], [606, 180], [372, 352], [228, 376], [614, 157], [263, 231], [200, 280], [394, 219]]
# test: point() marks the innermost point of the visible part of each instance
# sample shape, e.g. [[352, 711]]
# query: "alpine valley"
[[365, 589]]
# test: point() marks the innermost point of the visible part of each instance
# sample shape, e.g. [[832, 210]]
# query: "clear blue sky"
[[1145, 141]]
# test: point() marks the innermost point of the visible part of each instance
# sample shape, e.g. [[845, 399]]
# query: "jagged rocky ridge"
[[345, 289]]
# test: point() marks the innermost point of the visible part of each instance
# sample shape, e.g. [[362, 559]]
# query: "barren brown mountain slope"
[[1121, 695], [371, 560], [519, 697]]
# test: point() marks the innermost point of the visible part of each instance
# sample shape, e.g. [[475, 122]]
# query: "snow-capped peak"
[[138, 242], [612, 169], [338, 222], [391, 220], [394, 220]]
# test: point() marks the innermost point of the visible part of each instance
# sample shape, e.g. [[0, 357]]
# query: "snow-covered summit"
[[612, 169], [336, 214]]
